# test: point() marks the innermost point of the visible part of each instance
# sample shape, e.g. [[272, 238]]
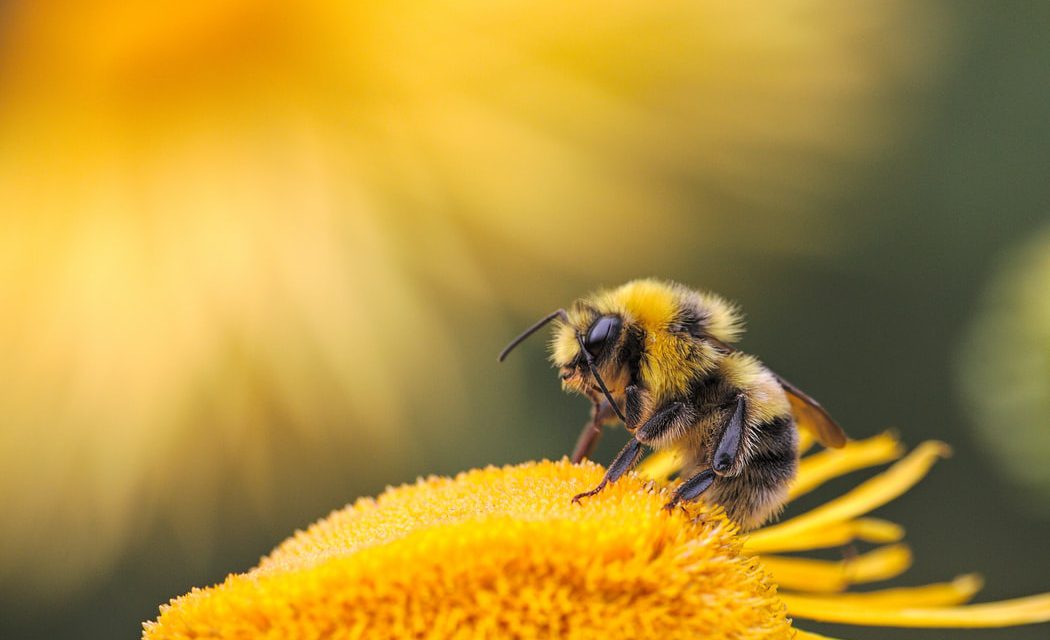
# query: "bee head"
[[658, 335], [596, 349], [588, 350], [585, 349], [654, 334]]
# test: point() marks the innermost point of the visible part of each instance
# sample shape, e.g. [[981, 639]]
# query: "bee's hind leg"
[[621, 465], [691, 488], [727, 452]]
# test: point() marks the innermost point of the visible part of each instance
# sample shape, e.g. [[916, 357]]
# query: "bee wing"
[[807, 411], [813, 417]]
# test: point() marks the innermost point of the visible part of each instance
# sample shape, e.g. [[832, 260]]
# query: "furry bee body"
[[754, 488], [659, 355]]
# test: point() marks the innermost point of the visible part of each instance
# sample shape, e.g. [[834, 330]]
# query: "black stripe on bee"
[[632, 351], [777, 450], [710, 390], [688, 321]]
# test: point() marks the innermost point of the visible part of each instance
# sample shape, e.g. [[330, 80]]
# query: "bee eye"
[[604, 329]]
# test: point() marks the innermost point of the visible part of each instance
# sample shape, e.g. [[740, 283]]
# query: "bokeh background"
[[257, 258]]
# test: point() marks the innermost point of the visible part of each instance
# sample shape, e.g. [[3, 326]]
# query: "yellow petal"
[[805, 441], [1004, 613], [661, 464], [871, 494], [820, 467], [813, 471], [833, 535], [805, 574], [941, 594], [809, 635]]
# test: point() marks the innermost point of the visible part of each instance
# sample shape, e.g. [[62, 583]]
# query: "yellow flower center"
[[503, 553]]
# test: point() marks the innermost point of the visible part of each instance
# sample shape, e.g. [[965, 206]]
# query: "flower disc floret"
[[497, 552]]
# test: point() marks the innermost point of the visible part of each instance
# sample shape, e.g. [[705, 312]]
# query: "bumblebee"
[[658, 357]]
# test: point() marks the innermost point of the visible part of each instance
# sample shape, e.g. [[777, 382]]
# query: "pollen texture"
[[498, 553]]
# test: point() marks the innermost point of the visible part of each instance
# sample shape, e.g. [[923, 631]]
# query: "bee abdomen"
[[776, 444], [759, 491]]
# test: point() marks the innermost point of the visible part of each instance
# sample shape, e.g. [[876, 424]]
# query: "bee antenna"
[[560, 314], [598, 378], [564, 317]]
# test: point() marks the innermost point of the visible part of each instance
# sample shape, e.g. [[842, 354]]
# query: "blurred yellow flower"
[[1004, 370], [235, 216], [502, 553]]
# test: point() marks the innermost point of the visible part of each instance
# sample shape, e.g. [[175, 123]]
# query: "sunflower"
[[502, 553]]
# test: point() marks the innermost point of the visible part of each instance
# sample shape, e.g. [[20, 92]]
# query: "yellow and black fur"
[[658, 355]]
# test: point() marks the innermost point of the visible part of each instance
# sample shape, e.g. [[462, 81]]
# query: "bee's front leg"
[[633, 402], [652, 429], [601, 414], [621, 465]]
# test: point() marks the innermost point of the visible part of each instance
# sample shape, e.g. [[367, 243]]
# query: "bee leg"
[[621, 465], [728, 448], [691, 488], [601, 414], [658, 423], [632, 406], [586, 442], [654, 427]]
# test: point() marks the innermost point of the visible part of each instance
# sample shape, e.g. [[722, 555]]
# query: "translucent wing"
[[814, 418], [808, 413]]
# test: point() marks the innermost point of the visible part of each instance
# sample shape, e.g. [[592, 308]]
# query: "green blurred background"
[[258, 259]]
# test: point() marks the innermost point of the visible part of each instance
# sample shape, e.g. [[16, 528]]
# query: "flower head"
[[501, 552]]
